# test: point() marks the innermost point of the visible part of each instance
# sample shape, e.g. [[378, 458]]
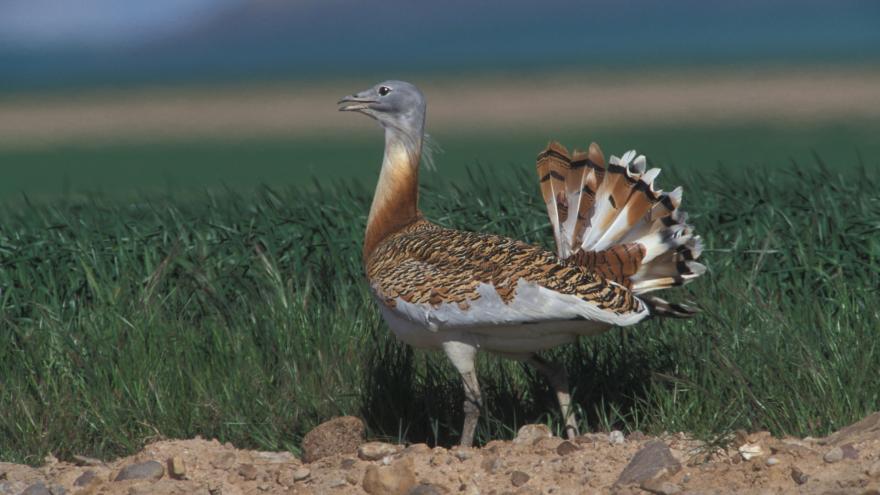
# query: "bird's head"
[[395, 104]]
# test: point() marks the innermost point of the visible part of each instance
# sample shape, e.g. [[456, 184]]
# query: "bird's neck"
[[396, 200]]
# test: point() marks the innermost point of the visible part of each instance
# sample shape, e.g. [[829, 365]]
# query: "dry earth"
[[534, 463], [552, 102]]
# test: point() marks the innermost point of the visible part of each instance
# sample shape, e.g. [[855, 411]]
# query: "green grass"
[[244, 316], [176, 167]]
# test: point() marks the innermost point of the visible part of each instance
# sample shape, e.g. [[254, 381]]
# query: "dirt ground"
[[551, 102], [534, 463]]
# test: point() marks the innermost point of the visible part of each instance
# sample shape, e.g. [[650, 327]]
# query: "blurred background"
[[101, 96]]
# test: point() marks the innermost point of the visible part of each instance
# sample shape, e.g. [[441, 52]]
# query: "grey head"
[[395, 104]]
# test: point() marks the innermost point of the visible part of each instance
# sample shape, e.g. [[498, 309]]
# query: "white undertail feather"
[[625, 209]]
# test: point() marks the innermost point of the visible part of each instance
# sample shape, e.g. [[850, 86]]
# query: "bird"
[[617, 239]]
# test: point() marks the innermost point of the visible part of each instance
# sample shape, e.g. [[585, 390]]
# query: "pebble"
[[833, 455], [416, 449], [849, 451], [38, 488], [750, 450], [150, 470], [653, 461], [874, 470], [799, 476], [248, 472], [81, 460], [301, 473], [425, 489], [463, 453], [616, 437], [659, 487], [636, 436], [85, 478], [772, 461], [396, 479], [566, 448], [176, 468], [491, 464], [337, 436], [591, 438], [374, 451], [224, 461], [519, 478], [529, 434]]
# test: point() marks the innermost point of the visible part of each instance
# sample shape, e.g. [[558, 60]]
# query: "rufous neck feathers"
[[396, 200]]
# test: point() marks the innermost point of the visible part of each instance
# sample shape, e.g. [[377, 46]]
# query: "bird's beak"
[[355, 103]]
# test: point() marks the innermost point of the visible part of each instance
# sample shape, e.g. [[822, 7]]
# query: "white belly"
[[503, 338], [535, 319]]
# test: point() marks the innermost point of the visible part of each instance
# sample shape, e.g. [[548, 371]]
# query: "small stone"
[[491, 464], [224, 461], [351, 478], [248, 472], [301, 473], [396, 479], [416, 449], [276, 457], [636, 436], [750, 450], [348, 463], [849, 451], [374, 451], [81, 460], [874, 470], [653, 461], [566, 448], [529, 434], [616, 437], [660, 487], [85, 478], [38, 488], [591, 438], [176, 468], [771, 461], [833, 455], [425, 489], [519, 478], [150, 470], [463, 453], [337, 436], [799, 476]]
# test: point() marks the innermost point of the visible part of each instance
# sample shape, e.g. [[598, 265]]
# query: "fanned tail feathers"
[[612, 220]]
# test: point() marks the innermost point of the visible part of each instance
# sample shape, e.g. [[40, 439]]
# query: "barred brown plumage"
[[426, 263], [440, 288]]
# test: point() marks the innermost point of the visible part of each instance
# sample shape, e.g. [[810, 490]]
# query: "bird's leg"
[[556, 375], [463, 357]]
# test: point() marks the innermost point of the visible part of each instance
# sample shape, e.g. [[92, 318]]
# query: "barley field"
[[231, 305]]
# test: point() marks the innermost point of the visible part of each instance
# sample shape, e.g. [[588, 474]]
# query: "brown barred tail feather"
[[612, 220]]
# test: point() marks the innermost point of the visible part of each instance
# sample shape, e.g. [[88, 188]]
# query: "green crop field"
[[180, 167], [175, 309]]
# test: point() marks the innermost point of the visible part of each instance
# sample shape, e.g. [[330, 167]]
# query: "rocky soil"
[[533, 463]]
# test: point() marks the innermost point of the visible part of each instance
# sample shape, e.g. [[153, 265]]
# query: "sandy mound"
[[535, 462]]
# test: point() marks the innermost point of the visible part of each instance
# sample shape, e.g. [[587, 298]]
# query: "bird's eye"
[[384, 90]]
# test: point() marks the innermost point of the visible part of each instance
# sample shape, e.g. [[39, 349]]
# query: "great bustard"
[[616, 237]]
